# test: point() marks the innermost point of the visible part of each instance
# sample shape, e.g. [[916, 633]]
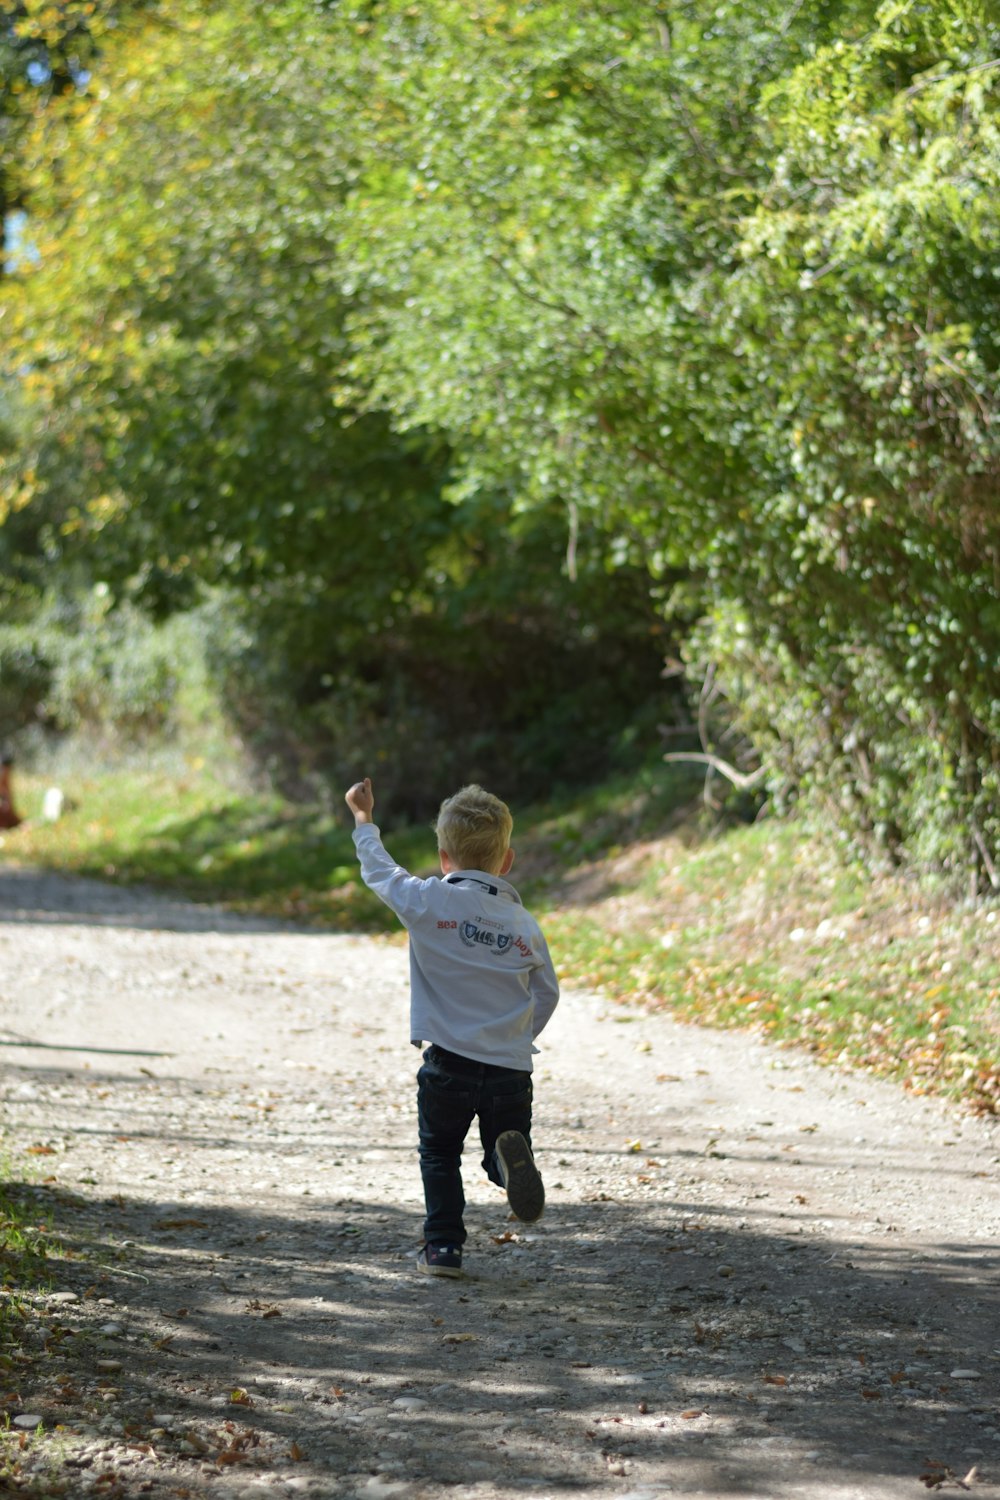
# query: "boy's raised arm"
[[403, 893]]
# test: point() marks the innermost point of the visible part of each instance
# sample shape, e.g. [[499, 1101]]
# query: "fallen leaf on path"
[[180, 1224], [236, 1450], [934, 1474], [41, 1151], [692, 1413], [937, 1474], [239, 1397], [296, 1454], [460, 1338], [775, 1380], [266, 1309]]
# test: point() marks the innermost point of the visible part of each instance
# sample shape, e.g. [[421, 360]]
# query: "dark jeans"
[[451, 1092]]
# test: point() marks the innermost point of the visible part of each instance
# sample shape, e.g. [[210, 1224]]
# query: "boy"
[[482, 987]]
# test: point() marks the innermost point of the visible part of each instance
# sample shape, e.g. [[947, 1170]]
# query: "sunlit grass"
[[200, 837], [762, 930]]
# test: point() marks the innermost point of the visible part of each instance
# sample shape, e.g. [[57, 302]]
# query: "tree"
[[184, 332], [733, 290], [47, 49], [707, 293]]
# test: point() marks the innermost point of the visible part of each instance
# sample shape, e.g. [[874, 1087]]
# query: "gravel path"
[[754, 1278]]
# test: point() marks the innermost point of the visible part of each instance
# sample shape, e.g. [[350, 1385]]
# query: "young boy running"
[[482, 987]]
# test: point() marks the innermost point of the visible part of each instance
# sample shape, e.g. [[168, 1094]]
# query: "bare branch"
[[991, 868], [561, 307], [738, 778], [707, 696], [571, 541]]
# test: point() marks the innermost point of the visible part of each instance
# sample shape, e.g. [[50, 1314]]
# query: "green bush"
[[80, 666], [895, 775]]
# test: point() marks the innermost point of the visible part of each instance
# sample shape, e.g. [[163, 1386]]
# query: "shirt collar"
[[494, 884]]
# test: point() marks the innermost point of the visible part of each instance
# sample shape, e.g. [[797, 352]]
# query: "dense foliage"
[[462, 342]]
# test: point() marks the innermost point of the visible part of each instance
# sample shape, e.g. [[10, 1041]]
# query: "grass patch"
[[756, 928], [44, 1230], [202, 838], [760, 930], [24, 1249]]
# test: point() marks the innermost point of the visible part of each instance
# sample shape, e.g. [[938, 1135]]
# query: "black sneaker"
[[441, 1260], [521, 1178]]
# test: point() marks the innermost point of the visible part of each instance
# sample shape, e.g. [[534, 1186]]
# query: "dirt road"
[[754, 1277]]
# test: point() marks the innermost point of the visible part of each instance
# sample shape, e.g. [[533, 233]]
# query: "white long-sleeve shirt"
[[481, 980]]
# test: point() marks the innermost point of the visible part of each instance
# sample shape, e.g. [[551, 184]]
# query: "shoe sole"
[[525, 1190]]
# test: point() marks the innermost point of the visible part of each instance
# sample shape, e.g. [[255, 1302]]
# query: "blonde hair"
[[473, 828]]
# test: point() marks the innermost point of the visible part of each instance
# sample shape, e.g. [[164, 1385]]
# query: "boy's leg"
[[505, 1131], [505, 1105], [446, 1107], [521, 1178]]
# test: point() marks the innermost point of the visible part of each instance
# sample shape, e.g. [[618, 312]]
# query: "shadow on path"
[[651, 1343], [32, 896]]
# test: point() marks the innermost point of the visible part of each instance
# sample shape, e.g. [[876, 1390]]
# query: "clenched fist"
[[361, 800]]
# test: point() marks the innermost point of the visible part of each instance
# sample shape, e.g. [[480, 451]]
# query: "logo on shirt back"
[[475, 936]]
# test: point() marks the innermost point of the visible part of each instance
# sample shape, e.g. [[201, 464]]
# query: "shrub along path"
[[754, 1277]]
